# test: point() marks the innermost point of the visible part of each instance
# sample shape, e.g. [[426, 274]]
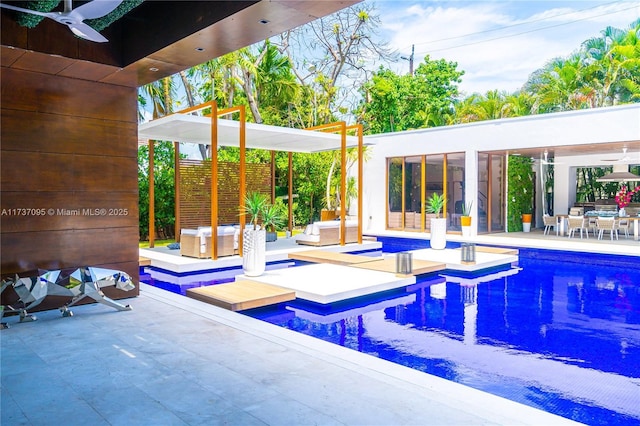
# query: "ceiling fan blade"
[[85, 31], [19, 9], [95, 9]]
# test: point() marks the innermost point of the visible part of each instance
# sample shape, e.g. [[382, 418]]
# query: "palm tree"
[[614, 60], [161, 94]]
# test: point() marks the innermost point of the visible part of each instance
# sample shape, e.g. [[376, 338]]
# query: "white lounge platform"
[[170, 260], [452, 258], [326, 283]]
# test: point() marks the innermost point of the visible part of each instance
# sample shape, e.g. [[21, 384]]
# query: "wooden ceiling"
[[156, 39]]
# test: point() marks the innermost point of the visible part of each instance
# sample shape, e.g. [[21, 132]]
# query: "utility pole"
[[410, 59]]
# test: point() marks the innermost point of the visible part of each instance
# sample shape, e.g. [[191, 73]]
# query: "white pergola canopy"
[[197, 130]]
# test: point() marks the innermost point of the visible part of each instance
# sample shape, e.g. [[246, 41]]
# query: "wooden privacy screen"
[[195, 190]]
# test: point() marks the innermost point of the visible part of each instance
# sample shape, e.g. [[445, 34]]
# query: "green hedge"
[[520, 191]]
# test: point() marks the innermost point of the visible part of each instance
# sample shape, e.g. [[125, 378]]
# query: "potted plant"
[[254, 237], [465, 219], [272, 220], [438, 225], [526, 220]]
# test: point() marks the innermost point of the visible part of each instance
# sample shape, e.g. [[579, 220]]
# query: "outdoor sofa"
[[197, 242], [328, 233]]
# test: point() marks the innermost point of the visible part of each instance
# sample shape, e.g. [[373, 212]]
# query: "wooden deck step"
[[497, 250], [143, 261], [389, 265], [241, 295], [321, 256]]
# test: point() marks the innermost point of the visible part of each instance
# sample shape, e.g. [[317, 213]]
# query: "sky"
[[497, 43]]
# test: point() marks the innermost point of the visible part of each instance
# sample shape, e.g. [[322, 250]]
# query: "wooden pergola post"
[[423, 193], [152, 204], [176, 186], [290, 204], [273, 176], [214, 180], [358, 129]]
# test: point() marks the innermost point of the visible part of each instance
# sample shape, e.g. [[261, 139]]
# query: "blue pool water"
[[559, 332]]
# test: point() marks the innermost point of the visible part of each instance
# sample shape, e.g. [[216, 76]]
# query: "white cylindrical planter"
[[254, 246], [526, 226], [466, 231], [438, 233]]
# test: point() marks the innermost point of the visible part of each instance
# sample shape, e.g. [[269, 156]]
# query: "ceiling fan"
[[624, 159], [74, 18]]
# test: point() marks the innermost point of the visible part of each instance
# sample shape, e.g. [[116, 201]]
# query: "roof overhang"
[[197, 130], [619, 177]]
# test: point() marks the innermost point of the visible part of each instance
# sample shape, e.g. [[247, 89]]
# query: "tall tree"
[[614, 65], [392, 102], [333, 67]]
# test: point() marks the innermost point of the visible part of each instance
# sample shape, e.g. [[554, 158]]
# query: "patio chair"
[[550, 222], [607, 224], [624, 224], [578, 223]]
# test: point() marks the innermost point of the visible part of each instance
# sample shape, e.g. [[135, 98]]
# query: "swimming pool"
[[561, 332]]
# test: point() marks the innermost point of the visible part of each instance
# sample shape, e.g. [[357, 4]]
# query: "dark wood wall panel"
[[69, 147], [39, 211], [31, 91], [82, 135], [65, 172], [69, 248]]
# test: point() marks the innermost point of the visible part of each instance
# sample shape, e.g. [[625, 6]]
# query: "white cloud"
[[497, 43]]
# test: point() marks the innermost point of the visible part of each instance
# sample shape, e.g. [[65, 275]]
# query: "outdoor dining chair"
[[578, 223], [607, 224], [550, 222], [624, 224]]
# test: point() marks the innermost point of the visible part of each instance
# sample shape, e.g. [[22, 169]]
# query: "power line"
[[527, 32], [520, 24]]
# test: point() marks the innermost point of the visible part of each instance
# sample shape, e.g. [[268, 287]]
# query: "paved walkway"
[[177, 361]]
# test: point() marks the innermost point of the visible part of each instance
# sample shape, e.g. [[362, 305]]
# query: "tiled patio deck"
[[175, 360]]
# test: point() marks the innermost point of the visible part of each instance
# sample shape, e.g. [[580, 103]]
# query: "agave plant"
[[254, 206], [466, 208], [272, 217], [435, 204]]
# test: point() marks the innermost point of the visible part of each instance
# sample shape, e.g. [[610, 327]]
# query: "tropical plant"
[[623, 197], [331, 65], [520, 192], [435, 204], [164, 190], [466, 208], [254, 206], [392, 102], [273, 216]]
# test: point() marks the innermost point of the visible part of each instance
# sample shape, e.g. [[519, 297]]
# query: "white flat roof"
[[197, 129]]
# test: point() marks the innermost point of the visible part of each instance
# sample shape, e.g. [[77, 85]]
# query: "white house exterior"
[[591, 137]]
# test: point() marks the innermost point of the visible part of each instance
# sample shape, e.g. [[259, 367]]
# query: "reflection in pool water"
[[561, 332]]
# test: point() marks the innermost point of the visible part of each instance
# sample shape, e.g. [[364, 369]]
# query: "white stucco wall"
[[593, 126]]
